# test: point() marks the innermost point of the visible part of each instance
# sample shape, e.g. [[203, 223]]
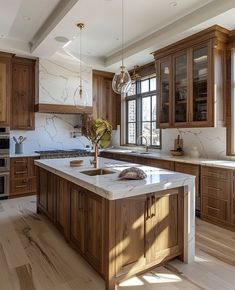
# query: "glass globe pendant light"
[[80, 97], [121, 83]]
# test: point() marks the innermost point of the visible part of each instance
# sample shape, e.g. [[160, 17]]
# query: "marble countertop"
[[32, 154], [227, 164], [110, 186]]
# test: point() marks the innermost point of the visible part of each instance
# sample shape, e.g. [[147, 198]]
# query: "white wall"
[[51, 132]]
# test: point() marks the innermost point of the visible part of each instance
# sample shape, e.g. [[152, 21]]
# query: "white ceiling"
[[30, 26]]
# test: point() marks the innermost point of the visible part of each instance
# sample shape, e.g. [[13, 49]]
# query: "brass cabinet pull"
[[21, 186], [148, 209], [20, 172], [153, 203]]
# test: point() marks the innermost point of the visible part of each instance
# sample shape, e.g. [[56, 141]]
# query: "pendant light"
[[121, 83], [81, 97]]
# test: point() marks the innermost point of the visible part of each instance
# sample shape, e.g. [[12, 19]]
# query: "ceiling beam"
[[53, 19], [187, 22]]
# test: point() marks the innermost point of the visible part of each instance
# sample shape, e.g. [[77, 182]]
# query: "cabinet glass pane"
[[154, 108], [200, 84], [153, 84], [180, 88], [164, 91], [144, 86]]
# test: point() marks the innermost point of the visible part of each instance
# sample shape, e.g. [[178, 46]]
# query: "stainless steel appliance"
[[4, 184], [4, 162], [48, 154]]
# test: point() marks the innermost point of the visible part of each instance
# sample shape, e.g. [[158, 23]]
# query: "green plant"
[[98, 131]]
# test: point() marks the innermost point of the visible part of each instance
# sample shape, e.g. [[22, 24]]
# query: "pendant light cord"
[[122, 33], [80, 57]]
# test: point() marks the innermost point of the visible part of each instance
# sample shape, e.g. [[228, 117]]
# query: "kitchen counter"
[[110, 186], [227, 164]]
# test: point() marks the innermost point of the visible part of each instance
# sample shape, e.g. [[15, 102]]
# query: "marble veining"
[[59, 83], [51, 132], [211, 142]]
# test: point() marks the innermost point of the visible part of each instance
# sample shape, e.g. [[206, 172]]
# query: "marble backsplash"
[[51, 132], [59, 83], [211, 142]]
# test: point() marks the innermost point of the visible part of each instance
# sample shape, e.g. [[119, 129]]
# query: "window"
[[142, 113]]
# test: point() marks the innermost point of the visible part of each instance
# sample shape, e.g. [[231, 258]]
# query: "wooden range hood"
[[62, 109]]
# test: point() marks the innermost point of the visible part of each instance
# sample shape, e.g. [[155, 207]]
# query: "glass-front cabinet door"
[[200, 93], [164, 92], [180, 89]]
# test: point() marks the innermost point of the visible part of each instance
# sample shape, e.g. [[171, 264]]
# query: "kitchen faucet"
[[146, 142]]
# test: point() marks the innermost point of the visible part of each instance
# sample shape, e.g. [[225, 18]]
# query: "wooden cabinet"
[[22, 176], [95, 230], [119, 238], [149, 228], [160, 163], [217, 195], [130, 234], [192, 169], [191, 80], [77, 217], [23, 94], [5, 88], [62, 202], [106, 103]]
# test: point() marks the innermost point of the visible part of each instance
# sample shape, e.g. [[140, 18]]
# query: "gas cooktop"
[[63, 153]]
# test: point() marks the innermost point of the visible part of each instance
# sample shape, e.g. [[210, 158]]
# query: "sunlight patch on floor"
[[161, 278], [135, 281]]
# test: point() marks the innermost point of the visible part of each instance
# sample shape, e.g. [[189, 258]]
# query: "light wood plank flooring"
[[34, 256]]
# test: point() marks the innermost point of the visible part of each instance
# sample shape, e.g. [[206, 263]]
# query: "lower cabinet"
[[118, 238], [149, 229], [217, 196], [22, 176], [192, 169]]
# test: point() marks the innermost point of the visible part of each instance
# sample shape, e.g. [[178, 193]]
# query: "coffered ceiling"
[[31, 27]]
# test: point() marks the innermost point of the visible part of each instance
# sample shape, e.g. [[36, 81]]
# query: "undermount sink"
[[144, 152], [138, 152], [99, 171]]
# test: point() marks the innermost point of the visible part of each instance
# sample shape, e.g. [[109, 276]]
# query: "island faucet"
[[146, 142]]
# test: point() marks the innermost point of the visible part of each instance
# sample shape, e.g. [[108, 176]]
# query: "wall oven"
[[4, 144], [4, 184], [4, 163]]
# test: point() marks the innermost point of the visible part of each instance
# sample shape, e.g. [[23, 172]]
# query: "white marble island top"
[[109, 185]]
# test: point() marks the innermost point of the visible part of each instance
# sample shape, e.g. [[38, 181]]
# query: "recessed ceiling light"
[[27, 18], [173, 4], [62, 39], [2, 35]]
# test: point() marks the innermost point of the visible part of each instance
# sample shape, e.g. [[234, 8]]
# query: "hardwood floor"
[[34, 256]]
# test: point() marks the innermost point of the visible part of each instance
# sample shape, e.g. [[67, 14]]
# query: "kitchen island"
[[120, 227]]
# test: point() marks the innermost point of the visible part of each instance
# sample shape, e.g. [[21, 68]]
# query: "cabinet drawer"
[[20, 171], [123, 157], [23, 185], [216, 172], [106, 155], [164, 164], [19, 161], [215, 208], [216, 187]]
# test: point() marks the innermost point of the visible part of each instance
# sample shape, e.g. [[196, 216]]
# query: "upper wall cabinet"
[[106, 103], [23, 94], [191, 80], [5, 88]]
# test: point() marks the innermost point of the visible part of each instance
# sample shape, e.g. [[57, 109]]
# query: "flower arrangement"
[[98, 131]]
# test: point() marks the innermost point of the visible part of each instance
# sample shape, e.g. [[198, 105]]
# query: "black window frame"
[[138, 97]]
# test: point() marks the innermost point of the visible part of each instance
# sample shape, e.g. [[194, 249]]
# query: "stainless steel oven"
[[4, 163], [4, 184], [4, 141]]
